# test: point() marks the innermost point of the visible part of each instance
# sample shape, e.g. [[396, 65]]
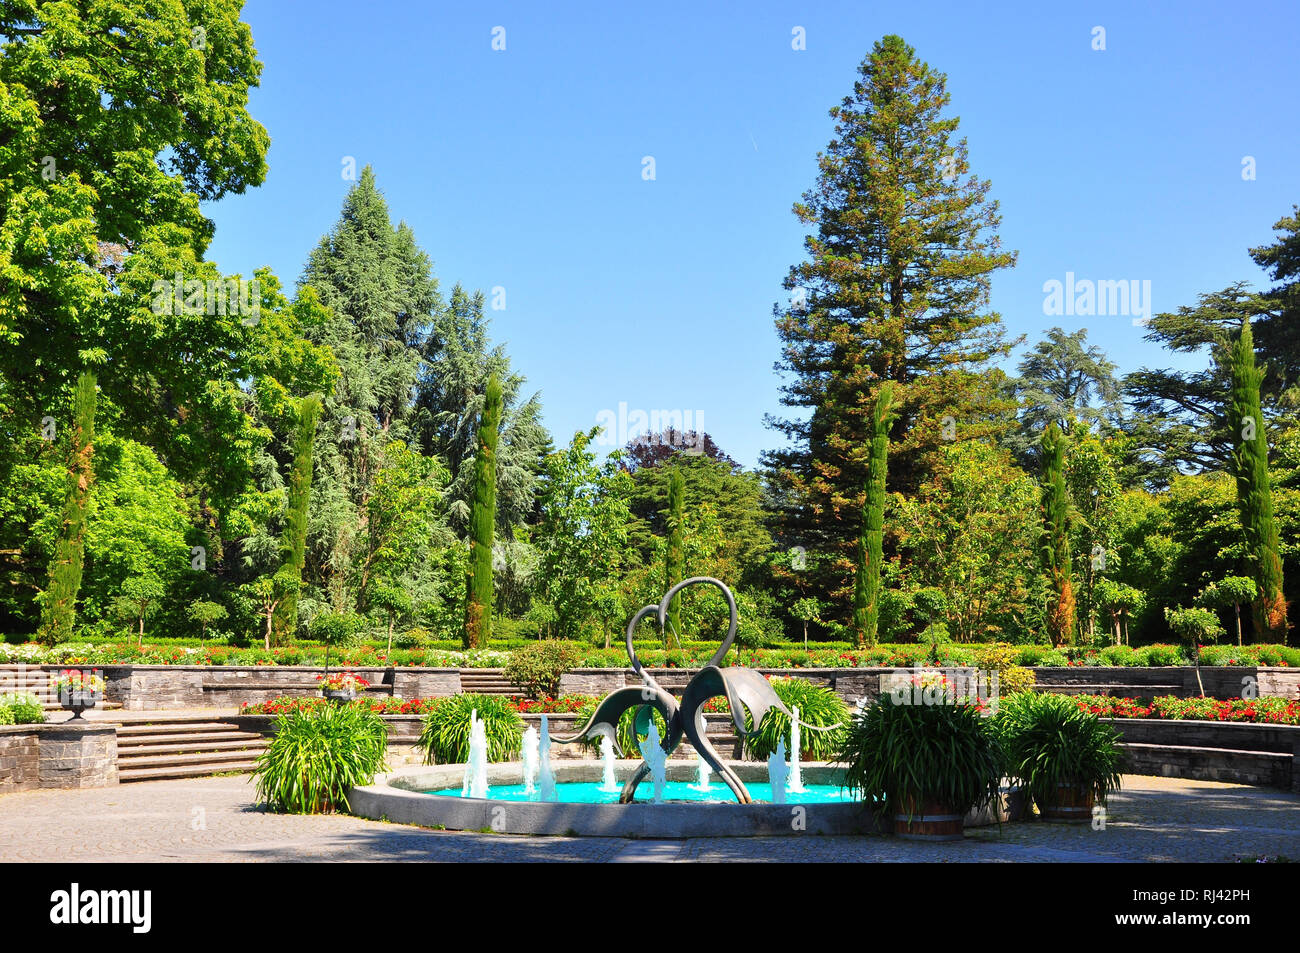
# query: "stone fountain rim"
[[396, 797]]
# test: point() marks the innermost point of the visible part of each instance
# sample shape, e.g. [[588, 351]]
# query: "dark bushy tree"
[[1254, 494], [482, 522]]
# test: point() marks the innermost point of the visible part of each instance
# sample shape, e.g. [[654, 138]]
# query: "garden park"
[[317, 537]]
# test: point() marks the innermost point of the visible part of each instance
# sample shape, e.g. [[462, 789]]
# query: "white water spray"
[[656, 759], [475, 783], [530, 759], [777, 772], [544, 756], [608, 784], [796, 772]]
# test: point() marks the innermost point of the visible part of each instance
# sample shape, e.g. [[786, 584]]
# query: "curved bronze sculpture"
[[744, 689]]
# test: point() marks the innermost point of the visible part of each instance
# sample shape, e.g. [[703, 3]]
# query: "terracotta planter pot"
[[1071, 803], [929, 821]]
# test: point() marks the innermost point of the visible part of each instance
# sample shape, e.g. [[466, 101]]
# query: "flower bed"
[[383, 706], [1263, 711]]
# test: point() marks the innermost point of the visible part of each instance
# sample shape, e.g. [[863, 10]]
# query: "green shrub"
[[909, 754], [6, 716], [445, 736], [414, 638], [1049, 740], [1157, 655], [817, 706], [537, 667], [1118, 655], [316, 756], [25, 707]]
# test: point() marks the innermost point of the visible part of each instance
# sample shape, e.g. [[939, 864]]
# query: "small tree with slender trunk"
[[1229, 591]]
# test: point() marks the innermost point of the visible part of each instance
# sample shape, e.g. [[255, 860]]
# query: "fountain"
[[656, 759], [702, 773], [544, 756], [796, 772], [583, 796], [777, 772], [476, 783], [529, 755], [608, 782]]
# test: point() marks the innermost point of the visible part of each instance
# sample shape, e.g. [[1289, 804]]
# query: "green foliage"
[[1048, 740], [482, 522], [971, 533], [316, 756], [1055, 546], [293, 542], [537, 667], [445, 735], [674, 556], [337, 629], [23, 708], [205, 613], [139, 597], [909, 754], [866, 579], [6, 716], [59, 601], [817, 706], [1194, 626]]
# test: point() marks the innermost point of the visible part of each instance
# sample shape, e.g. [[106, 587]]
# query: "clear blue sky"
[[523, 168]]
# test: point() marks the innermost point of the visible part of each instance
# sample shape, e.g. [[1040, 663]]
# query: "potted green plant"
[[1063, 756], [78, 691], [930, 764]]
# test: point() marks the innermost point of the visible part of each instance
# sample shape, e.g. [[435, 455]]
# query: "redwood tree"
[[895, 287]]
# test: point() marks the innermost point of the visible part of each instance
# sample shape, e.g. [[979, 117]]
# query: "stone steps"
[[184, 747], [487, 681]]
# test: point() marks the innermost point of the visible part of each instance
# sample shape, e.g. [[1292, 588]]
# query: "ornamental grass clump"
[[317, 755], [914, 754], [819, 707], [1051, 743], [445, 736]]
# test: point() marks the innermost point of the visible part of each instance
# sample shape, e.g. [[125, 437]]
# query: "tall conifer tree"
[[293, 543], [1056, 539], [1254, 495], [895, 287], [59, 607], [674, 554], [866, 587], [482, 522]]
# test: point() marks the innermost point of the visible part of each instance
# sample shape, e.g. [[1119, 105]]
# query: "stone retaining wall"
[[1212, 751], [80, 755]]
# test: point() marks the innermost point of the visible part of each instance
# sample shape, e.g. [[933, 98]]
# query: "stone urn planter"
[[340, 696], [77, 702]]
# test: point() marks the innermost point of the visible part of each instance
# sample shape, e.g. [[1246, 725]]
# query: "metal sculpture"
[[744, 688]]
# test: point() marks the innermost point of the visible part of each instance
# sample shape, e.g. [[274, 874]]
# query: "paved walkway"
[[214, 819]]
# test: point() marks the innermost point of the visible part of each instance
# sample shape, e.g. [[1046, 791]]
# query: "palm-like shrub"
[[911, 754], [317, 755], [445, 736], [817, 706], [1047, 741]]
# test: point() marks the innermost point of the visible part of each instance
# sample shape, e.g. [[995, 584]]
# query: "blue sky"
[[522, 169]]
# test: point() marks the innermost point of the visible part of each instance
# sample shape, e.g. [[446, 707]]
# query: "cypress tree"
[[59, 607], [482, 522], [1056, 539], [674, 555], [293, 542], [866, 583], [895, 287], [1254, 495]]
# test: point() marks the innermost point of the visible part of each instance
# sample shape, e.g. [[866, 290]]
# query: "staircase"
[[487, 681], [184, 747]]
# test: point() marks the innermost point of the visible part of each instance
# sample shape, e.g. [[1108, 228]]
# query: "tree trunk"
[[1237, 606], [269, 613]]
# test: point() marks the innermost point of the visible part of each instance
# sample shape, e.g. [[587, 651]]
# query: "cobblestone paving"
[[213, 819]]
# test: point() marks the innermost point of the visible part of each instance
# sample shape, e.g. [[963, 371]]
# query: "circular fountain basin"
[[424, 796]]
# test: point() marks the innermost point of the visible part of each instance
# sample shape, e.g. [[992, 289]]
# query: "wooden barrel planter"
[[1072, 803], [930, 821]]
